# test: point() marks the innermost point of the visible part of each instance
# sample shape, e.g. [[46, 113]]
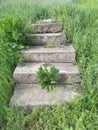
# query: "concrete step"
[[48, 39], [29, 95], [26, 73], [47, 21], [48, 27], [42, 54]]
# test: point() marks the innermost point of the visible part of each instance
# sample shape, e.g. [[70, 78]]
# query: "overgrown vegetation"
[[80, 21], [13, 29]]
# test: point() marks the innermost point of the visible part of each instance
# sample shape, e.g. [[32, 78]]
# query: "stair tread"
[[46, 23], [33, 67], [29, 95], [42, 49], [42, 54], [47, 34]]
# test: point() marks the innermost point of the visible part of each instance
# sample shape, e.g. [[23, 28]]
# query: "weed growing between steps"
[[80, 19], [47, 76]]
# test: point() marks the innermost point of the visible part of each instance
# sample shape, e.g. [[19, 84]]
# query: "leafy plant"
[[49, 45], [47, 76], [13, 29]]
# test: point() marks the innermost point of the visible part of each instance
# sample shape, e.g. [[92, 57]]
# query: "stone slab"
[[48, 39], [46, 27], [30, 95], [42, 54], [26, 73], [46, 21]]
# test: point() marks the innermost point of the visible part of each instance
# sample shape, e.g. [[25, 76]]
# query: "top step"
[[46, 26]]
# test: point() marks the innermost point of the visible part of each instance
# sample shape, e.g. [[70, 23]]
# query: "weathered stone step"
[[48, 39], [26, 73], [42, 54], [48, 27], [47, 21], [29, 95]]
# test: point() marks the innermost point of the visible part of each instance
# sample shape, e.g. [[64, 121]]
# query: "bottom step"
[[29, 95]]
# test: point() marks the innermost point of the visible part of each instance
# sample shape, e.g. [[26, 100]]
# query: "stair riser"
[[48, 57], [46, 27], [62, 78], [48, 40]]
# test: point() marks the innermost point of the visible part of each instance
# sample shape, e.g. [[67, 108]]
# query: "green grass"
[[30, 10], [80, 21]]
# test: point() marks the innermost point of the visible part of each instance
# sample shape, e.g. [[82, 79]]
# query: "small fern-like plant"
[[47, 76]]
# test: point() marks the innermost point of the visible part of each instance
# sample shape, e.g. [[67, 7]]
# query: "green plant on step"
[[47, 76], [49, 45]]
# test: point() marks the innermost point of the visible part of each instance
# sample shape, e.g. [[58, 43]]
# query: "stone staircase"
[[49, 45]]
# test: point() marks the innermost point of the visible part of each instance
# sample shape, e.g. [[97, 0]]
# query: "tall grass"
[[28, 9], [7, 64], [80, 21]]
